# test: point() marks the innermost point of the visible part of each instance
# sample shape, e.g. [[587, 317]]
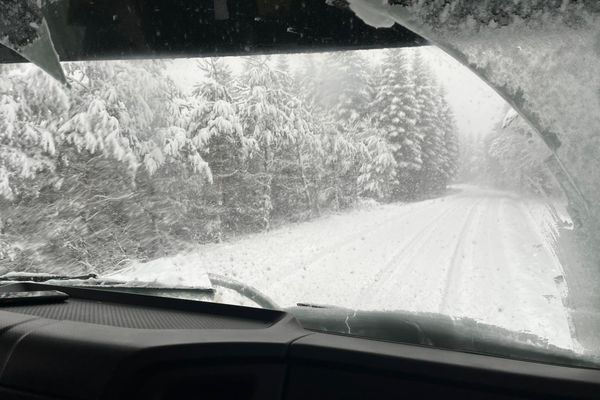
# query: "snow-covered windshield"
[[371, 180]]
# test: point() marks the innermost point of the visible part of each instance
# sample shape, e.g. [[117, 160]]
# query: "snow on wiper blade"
[[93, 280], [160, 275], [41, 277]]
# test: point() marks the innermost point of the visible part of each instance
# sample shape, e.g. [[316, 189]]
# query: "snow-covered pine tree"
[[120, 111], [395, 113], [214, 127], [263, 110], [344, 99], [316, 92], [378, 167], [101, 148], [155, 156], [313, 78], [294, 185], [429, 127], [32, 108], [351, 72], [448, 125], [439, 167]]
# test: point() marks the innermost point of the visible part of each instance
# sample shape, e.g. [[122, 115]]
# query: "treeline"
[[126, 165]]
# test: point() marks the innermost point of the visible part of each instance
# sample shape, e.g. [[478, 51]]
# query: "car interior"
[[99, 343]]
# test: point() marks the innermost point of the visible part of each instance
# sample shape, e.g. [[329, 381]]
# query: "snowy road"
[[476, 253]]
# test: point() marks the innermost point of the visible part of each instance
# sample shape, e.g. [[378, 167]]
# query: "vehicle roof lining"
[[110, 29]]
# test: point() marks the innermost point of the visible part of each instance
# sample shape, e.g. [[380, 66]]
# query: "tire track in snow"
[[406, 254], [455, 266], [419, 283], [484, 287], [503, 282], [341, 233], [350, 241]]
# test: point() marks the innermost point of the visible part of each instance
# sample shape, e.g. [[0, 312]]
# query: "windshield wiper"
[[245, 290]]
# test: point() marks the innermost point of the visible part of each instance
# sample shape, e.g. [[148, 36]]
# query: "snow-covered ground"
[[476, 252]]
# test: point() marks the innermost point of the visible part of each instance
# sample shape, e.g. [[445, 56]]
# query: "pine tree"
[[378, 168], [349, 81], [263, 110], [310, 78], [344, 99], [296, 154], [215, 128], [428, 127], [448, 126], [120, 111], [394, 108], [96, 152], [32, 108]]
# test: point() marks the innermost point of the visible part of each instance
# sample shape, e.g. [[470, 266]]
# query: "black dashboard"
[[108, 345]]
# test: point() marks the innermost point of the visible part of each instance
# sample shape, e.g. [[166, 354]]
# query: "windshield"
[[375, 180]]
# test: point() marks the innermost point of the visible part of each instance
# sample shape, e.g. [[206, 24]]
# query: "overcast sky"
[[476, 106]]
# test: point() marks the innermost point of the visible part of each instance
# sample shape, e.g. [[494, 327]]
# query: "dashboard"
[[107, 345]]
